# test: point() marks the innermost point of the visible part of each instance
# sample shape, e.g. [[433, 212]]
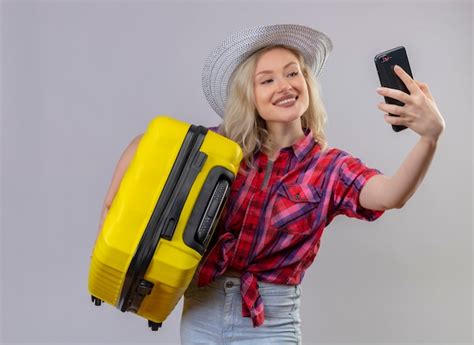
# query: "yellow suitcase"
[[162, 218]]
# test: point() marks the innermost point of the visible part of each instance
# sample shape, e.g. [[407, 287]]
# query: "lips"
[[286, 101]]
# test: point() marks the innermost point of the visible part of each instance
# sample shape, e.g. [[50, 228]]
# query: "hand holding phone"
[[385, 63]]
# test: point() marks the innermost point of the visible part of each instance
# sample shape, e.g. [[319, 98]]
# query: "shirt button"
[[229, 284]]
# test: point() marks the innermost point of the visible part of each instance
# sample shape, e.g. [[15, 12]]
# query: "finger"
[[407, 80], [391, 108], [424, 87], [395, 120], [394, 93]]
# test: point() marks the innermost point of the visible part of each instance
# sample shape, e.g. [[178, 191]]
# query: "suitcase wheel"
[[96, 301], [154, 325]]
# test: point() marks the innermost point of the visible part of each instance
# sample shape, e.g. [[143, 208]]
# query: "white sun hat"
[[226, 57]]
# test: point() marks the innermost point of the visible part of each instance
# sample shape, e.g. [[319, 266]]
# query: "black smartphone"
[[385, 63]]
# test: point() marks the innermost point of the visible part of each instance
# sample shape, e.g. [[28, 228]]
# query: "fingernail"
[[379, 89]]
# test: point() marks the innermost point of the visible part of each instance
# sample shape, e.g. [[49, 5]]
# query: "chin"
[[291, 116], [283, 116]]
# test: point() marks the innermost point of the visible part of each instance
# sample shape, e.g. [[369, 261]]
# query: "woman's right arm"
[[120, 169]]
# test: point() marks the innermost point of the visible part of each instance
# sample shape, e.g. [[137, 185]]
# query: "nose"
[[284, 86]]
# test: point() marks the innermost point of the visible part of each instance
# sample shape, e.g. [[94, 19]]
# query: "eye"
[[266, 81], [293, 74]]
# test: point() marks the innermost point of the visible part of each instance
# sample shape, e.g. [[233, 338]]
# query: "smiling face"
[[280, 90]]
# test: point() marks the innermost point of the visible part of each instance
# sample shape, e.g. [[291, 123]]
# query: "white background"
[[80, 79]]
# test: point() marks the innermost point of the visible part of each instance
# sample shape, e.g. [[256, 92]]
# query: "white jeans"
[[213, 315]]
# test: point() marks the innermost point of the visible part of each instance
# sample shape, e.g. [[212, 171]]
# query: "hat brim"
[[314, 45]]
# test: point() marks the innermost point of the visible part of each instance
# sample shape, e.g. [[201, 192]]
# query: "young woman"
[[262, 82]]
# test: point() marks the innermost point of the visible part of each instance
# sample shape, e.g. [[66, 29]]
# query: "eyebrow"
[[261, 72]]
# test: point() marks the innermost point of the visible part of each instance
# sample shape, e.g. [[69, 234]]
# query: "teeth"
[[289, 100]]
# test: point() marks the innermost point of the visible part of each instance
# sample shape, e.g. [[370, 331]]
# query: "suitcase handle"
[[203, 233], [208, 208]]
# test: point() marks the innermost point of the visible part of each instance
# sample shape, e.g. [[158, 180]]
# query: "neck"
[[283, 135]]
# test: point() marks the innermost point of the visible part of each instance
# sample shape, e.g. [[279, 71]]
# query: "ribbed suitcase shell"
[[174, 262]]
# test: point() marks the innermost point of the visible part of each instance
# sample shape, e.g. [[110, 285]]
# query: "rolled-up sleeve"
[[351, 175]]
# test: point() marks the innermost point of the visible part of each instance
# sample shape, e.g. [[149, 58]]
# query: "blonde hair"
[[243, 124]]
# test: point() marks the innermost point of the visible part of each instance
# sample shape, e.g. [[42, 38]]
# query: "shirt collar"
[[300, 148], [304, 144]]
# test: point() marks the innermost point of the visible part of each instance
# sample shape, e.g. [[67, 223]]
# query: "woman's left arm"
[[420, 113]]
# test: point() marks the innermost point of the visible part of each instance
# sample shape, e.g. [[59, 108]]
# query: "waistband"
[[232, 284], [232, 273]]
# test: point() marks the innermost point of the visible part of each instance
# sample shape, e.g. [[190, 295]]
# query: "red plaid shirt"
[[271, 225]]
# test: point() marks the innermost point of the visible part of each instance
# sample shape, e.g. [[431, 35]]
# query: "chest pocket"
[[294, 210]]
